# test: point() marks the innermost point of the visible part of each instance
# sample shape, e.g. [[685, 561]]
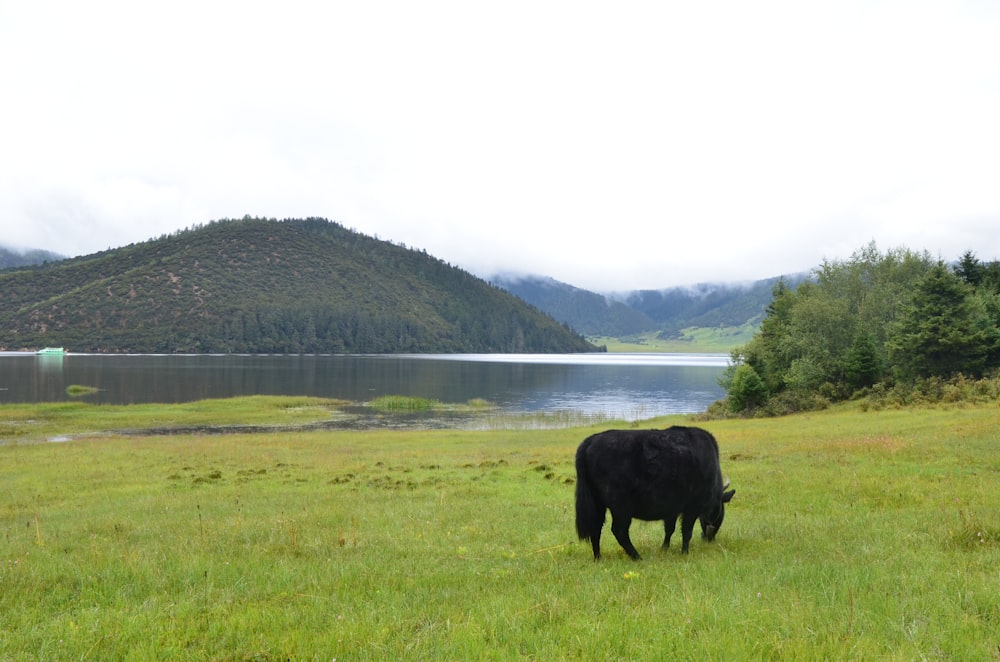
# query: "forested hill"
[[264, 286]]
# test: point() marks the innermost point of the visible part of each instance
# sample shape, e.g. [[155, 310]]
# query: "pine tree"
[[938, 334], [861, 364], [970, 269]]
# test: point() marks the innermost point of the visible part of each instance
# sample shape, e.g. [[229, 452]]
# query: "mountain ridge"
[[14, 259], [666, 311], [266, 286], [589, 312]]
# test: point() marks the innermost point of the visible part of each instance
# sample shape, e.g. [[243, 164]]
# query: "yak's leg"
[[595, 542], [687, 530], [619, 526], [669, 524]]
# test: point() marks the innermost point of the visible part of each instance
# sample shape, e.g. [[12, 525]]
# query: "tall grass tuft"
[[397, 403], [78, 390]]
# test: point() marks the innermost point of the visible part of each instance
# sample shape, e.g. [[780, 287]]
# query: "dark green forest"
[[897, 325], [264, 286]]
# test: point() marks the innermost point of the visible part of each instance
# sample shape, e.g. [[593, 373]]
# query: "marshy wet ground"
[[361, 417]]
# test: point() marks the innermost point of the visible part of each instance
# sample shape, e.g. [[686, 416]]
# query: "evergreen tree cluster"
[[265, 286], [873, 322]]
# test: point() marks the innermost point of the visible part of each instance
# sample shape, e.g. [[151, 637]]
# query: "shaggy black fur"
[[649, 475]]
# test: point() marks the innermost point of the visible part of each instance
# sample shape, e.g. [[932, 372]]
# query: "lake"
[[606, 385]]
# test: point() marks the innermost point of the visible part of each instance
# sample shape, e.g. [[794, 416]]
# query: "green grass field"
[[693, 340], [851, 536]]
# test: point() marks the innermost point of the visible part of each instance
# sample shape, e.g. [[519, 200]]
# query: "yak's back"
[[680, 455]]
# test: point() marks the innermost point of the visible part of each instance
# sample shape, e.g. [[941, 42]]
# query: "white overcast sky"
[[609, 145]]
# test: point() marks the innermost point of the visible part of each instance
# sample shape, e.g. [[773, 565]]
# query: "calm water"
[[629, 386]]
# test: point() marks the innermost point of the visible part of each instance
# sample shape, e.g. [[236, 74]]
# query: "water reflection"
[[630, 386]]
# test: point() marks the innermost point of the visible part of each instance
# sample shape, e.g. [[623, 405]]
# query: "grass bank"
[[34, 422], [852, 536]]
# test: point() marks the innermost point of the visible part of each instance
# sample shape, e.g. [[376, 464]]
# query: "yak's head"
[[711, 522]]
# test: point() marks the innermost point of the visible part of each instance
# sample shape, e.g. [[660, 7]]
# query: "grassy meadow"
[[852, 535], [713, 340]]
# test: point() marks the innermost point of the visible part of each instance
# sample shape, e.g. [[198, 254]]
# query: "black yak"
[[649, 475]]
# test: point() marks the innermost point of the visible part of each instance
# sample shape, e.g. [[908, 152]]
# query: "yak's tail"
[[589, 513]]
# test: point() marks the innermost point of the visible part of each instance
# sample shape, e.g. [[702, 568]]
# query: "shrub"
[[747, 391]]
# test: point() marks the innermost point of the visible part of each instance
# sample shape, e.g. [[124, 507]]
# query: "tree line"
[[896, 324]]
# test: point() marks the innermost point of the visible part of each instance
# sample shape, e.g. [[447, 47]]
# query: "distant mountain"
[[587, 312], [707, 304], [264, 286], [10, 258], [667, 311]]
